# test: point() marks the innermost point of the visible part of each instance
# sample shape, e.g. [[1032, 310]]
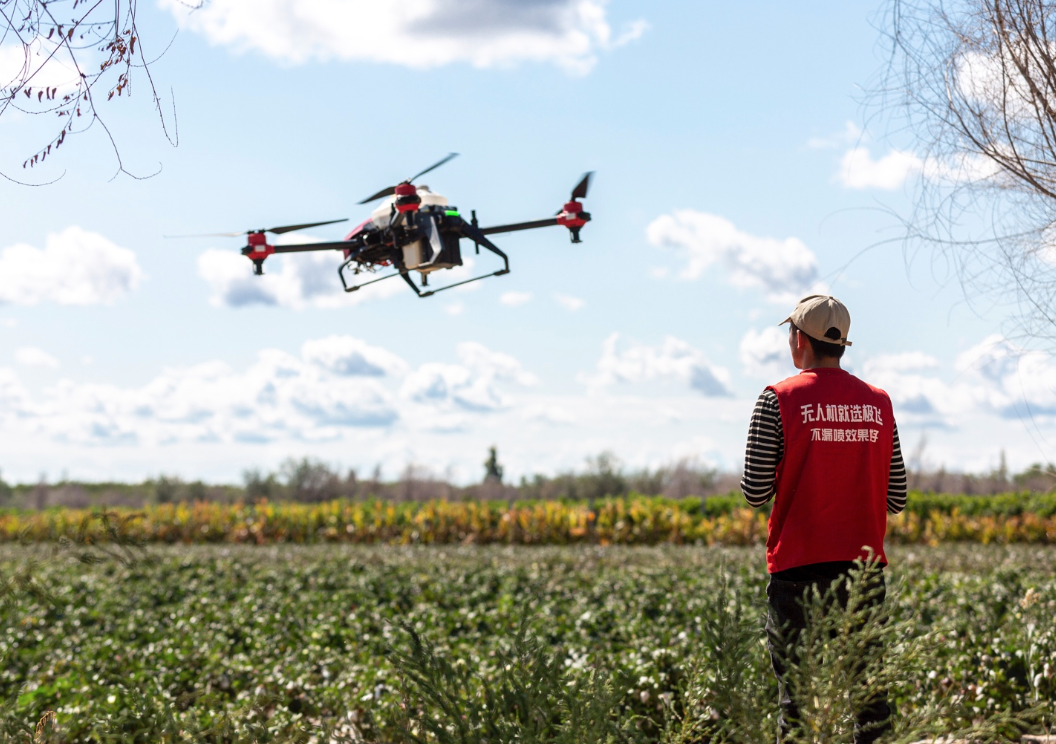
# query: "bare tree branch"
[[71, 50], [976, 83]]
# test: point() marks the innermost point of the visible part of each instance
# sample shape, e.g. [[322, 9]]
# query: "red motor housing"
[[407, 199], [571, 215], [258, 245], [257, 250]]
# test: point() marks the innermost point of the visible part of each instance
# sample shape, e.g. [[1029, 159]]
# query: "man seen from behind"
[[823, 446]]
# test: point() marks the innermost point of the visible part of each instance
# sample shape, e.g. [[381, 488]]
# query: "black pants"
[[784, 622]]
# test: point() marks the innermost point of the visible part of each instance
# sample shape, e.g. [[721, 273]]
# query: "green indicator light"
[[452, 213]]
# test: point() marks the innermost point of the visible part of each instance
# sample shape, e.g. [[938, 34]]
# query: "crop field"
[[634, 520], [314, 643]]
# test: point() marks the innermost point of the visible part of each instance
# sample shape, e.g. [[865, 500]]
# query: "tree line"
[[310, 480]]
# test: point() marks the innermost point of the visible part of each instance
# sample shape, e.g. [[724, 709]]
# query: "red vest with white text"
[[831, 488]]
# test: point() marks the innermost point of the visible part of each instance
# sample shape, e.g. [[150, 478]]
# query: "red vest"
[[831, 489]]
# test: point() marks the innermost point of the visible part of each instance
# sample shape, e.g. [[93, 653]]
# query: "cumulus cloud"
[[31, 356], [420, 34], [43, 65], [351, 357], [75, 267], [294, 281], [785, 269], [334, 384], [515, 299], [851, 133], [568, 302], [765, 354], [858, 169], [473, 385], [1016, 381], [993, 377], [672, 359]]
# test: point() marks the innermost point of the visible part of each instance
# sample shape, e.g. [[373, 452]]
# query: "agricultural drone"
[[413, 230]]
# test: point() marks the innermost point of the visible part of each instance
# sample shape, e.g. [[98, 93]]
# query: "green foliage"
[[528, 699], [1001, 505], [283, 643]]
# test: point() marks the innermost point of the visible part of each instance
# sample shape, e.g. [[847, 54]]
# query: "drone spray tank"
[[409, 201]]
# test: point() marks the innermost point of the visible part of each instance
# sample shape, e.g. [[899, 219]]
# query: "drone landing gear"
[[472, 232], [410, 282], [353, 288]]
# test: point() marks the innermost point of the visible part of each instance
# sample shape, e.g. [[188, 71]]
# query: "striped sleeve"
[[897, 481], [766, 447]]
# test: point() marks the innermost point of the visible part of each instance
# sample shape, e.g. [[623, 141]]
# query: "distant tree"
[[976, 81], [75, 54], [492, 468], [309, 480], [604, 477], [166, 489], [260, 486], [196, 491]]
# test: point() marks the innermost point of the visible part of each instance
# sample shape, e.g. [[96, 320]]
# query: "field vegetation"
[[630, 520], [467, 644]]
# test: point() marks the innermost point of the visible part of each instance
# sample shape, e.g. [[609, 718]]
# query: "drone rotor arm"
[[479, 236], [549, 222], [336, 245]]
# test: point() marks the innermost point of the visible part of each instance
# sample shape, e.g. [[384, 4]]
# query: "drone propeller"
[[275, 230], [580, 192], [392, 189]]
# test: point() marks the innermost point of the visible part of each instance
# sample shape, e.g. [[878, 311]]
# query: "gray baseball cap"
[[816, 314]]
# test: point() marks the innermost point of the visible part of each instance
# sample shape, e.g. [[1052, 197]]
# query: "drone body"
[[413, 230]]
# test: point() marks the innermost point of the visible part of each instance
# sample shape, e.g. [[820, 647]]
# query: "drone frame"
[[258, 249], [385, 240]]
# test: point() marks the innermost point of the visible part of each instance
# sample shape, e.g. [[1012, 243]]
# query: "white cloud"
[[515, 299], [471, 386], [1015, 382], [31, 356], [293, 281], [350, 357], [454, 308], [75, 267], [858, 170], [44, 67], [765, 354], [420, 34], [336, 384], [673, 358], [785, 269], [851, 134], [568, 302], [994, 377]]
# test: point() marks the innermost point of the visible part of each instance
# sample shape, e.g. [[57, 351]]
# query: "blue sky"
[[737, 169]]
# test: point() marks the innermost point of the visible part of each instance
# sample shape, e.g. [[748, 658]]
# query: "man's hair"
[[821, 349]]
